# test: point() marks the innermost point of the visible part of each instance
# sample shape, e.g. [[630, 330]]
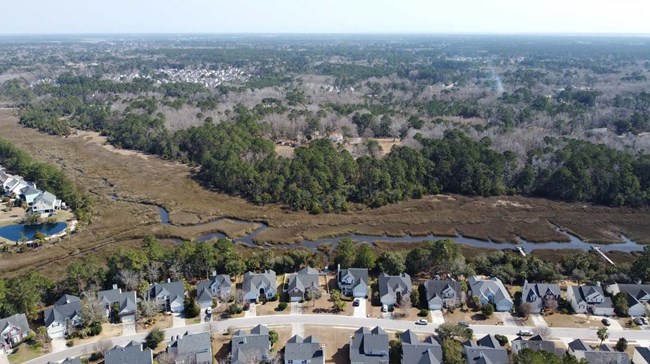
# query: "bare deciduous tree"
[[543, 331]]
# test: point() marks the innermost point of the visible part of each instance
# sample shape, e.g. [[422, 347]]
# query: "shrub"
[[487, 310], [234, 309], [501, 339], [282, 306], [274, 298], [95, 329], [191, 308], [155, 337], [423, 312], [96, 356], [69, 343]]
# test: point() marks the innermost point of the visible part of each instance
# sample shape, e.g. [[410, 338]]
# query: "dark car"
[[606, 322], [355, 303]]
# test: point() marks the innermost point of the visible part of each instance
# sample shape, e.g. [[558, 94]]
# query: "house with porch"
[[217, 287], [538, 295], [301, 282], [392, 289], [259, 286], [589, 299], [65, 313], [491, 291], [125, 304], [638, 297], [13, 330], [353, 281], [170, 295], [443, 294]]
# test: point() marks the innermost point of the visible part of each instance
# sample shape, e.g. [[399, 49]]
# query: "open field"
[[128, 186]]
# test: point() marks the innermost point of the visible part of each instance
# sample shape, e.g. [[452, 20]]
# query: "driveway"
[[128, 328], [296, 308], [360, 311], [614, 325], [178, 320], [437, 318], [538, 320], [4, 359], [507, 319], [252, 311], [58, 345]]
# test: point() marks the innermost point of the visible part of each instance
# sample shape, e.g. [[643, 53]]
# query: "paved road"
[[340, 321]]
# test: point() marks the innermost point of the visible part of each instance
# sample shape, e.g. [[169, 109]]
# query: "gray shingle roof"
[[175, 290], [415, 351], [298, 349], [579, 345], [436, 288], [369, 346], [254, 281], [194, 348], [303, 279], [491, 353], [126, 300], [65, 308], [391, 285], [254, 346], [360, 275], [132, 353], [67, 361], [489, 287], [534, 343], [644, 352], [604, 357], [18, 320]]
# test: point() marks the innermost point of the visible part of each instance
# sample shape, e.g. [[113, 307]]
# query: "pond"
[[16, 232]]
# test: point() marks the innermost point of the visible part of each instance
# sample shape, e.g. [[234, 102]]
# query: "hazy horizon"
[[258, 17]]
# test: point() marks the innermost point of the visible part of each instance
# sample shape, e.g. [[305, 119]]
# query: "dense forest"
[[555, 118]]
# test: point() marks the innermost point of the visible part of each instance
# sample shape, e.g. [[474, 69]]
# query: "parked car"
[[525, 333], [463, 324], [384, 308], [355, 303], [421, 322], [605, 322]]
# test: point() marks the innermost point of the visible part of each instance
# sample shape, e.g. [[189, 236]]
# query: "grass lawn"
[[161, 321], [474, 318], [576, 321], [25, 352], [335, 340], [108, 331]]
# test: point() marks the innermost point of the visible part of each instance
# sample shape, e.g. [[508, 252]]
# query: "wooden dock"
[[597, 249], [521, 250]]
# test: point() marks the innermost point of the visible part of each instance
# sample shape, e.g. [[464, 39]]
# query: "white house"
[[637, 296], [641, 355], [45, 203], [590, 299]]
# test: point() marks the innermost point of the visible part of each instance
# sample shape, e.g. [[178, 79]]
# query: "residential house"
[[302, 282], [638, 296], [254, 347], [13, 185], [304, 351], [415, 351], [590, 299], [13, 330], [29, 194], [353, 282], [537, 295], [126, 304], [191, 349], [219, 286], [443, 294], [369, 346], [485, 350], [45, 203], [67, 361], [170, 295], [65, 313], [393, 288], [262, 286], [641, 355], [491, 291], [535, 343], [132, 353], [604, 354]]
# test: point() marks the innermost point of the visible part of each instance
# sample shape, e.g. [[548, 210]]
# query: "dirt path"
[[128, 185]]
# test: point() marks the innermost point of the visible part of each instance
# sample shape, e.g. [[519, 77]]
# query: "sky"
[[324, 16]]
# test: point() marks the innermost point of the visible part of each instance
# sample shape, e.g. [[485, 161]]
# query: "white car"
[[384, 308], [525, 333], [421, 322]]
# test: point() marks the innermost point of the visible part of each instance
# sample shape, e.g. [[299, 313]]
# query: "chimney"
[[169, 280], [214, 273], [338, 267], [114, 285]]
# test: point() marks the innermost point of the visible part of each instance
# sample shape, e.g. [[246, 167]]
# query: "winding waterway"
[[574, 242]]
